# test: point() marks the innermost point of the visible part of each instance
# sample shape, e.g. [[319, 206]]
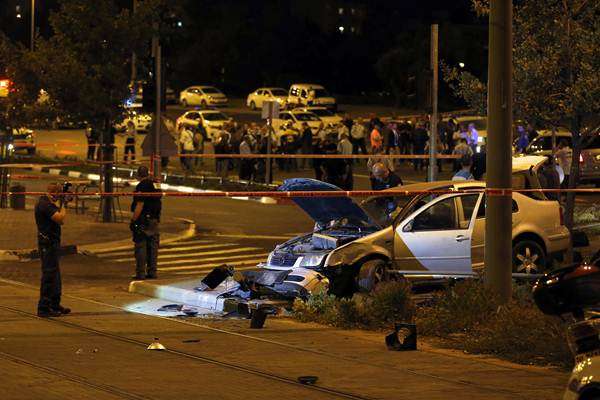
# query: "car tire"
[[253, 105], [370, 274], [529, 257], [184, 103]]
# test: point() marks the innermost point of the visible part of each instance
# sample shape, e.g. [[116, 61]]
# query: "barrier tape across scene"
[[328, 193]]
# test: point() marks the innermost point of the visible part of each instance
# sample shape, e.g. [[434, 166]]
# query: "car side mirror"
[[408, 227]]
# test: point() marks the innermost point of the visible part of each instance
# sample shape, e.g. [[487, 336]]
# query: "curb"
[[92, 249], [180, 292]]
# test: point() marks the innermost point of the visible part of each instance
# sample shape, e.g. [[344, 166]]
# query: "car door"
[[437, 237], [260, 97]]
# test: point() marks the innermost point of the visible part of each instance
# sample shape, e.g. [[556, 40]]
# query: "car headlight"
[[311, 261], [10, 147]]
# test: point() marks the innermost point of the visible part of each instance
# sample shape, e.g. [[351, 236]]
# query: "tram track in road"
[[77, 379], [204, 359], [331, 356]]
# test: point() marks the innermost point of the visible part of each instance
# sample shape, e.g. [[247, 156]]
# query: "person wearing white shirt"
[[186, 142]]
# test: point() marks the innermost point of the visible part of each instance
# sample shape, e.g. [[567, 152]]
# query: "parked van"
[[309, 94]]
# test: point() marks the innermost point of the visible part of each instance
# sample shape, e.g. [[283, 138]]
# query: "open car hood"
[[325, 209]]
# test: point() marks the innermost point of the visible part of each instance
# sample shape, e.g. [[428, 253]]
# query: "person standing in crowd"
[[306, 143], [144, 225], [461, 150], [382, 178], [50, 214], [345, 147], [342, 130], [465, 172], [129, 143], [564, 156], [200, 137], [186, 145], [221, 146], [348, 122], [92, 141], [393, 142], [549, 178], [440, 149], [523, 140], [288, 144], [335, 170], [379, 158], [405, 137], [473, 137], [376, 139], [419, 140], [358, 132], [246, 164], [479, 163]]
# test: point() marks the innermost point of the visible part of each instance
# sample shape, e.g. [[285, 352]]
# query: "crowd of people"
[[368, 136]]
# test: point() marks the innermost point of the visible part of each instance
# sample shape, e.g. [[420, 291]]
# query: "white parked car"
[[212, 120], [325, 114], [296, 118], [259, 96], [202, 96], [310, 94], [141, 120]]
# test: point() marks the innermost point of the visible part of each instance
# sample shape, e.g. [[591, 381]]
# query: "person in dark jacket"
[[335, 170], [420, 139], [382, 178]]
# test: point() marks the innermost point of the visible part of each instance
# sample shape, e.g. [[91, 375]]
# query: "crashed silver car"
[[441, 234]]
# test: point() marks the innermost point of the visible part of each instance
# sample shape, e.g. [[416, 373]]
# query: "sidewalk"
[[19, 230], [100, 349]]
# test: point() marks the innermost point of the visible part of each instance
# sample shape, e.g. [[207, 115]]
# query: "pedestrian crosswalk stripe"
[[207, 269], [197, 254], [213, 261], [174, 249]]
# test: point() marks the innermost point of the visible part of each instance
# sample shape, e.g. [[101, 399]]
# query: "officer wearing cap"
[[146, 211], [50, 213]]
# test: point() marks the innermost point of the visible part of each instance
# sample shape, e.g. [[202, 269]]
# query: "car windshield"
[[211, 90], [322, 113], [321, 93], [217, 116], [278, 92], [383, 210], [306, 117], [544, 143]]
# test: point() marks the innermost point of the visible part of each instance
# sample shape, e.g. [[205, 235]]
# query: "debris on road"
[[403, 338], [156, 345]]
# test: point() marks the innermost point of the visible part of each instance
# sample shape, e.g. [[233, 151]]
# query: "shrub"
[[517, 331], [457, 309], [390, 302]]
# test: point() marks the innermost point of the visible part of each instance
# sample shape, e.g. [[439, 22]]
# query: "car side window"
[[438, 217], [468, 203], [303, 94], [482, 206], [260, 92]]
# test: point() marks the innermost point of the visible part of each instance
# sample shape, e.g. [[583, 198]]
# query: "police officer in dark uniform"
[[144, 225], [50, 212]]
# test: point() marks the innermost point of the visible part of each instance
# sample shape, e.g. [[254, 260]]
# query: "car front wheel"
[[371, 273], [529, 257]]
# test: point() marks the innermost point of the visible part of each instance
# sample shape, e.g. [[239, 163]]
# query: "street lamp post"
[[32, 24]]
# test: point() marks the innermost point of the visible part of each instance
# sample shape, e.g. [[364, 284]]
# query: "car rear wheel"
[[371, 273], [529, 257], [253, 105]]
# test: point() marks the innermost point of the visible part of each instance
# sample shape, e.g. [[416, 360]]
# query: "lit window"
[[341, 10], [352, 29], [352, 11], [341, 29]]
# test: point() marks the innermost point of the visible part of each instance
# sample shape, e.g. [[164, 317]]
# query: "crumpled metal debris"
[[156, 345]]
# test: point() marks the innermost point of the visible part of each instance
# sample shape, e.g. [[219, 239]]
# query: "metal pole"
[[269, 166], [133, 60], [32, 24], [157, 114], [498, 227], [434, 105]]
